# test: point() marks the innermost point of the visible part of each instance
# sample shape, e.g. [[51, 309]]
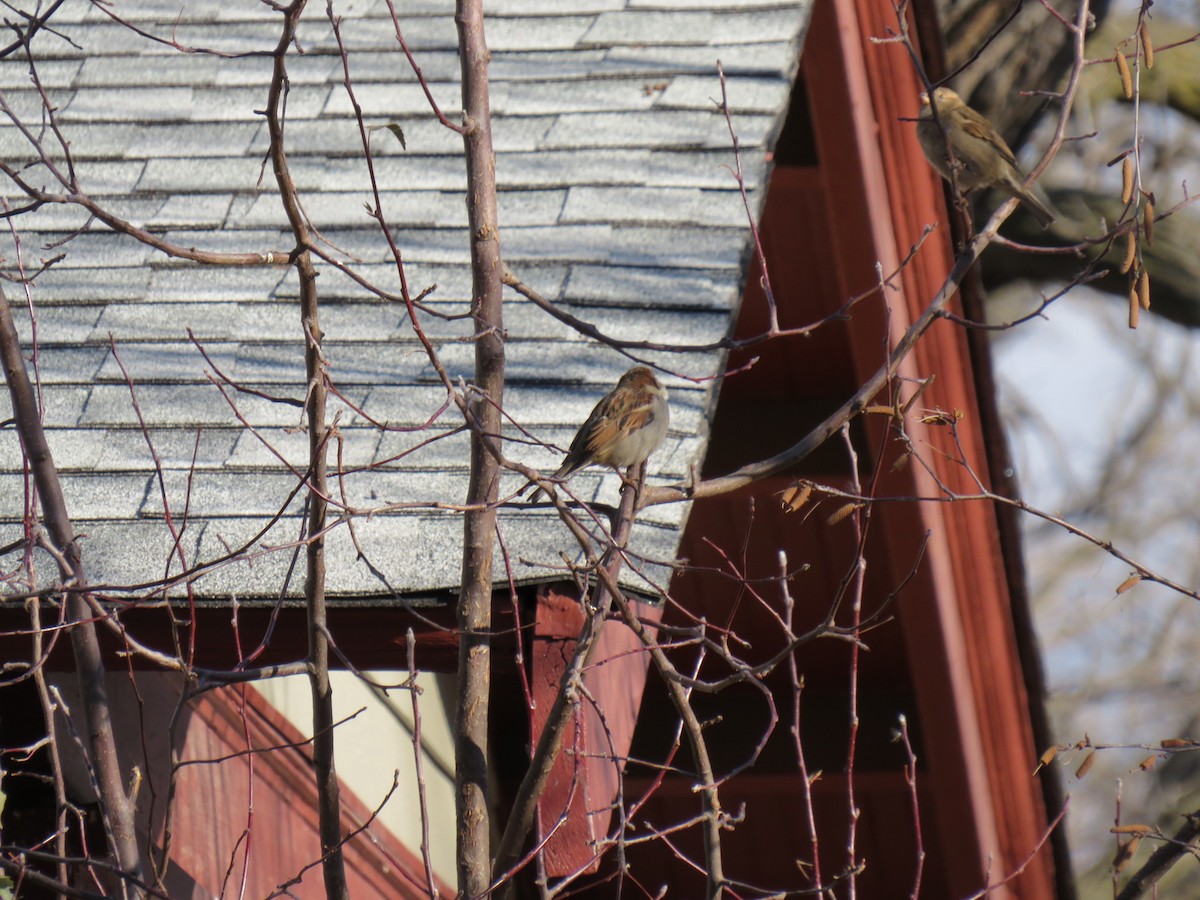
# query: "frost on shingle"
[[616, 205]]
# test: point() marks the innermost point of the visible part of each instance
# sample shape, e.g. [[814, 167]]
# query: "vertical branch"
[[544, 755], [89, 667], [764, 278], [910, 778], [314, 592], [797, 684], [414, 691], [328, 791], [33, 605], [483, 412], [858, 576], [49, 708], [713, 818]]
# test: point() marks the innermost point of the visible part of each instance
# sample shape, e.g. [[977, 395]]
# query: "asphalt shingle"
[[185, 448], [652, 205], [628, 284], [616, 204]]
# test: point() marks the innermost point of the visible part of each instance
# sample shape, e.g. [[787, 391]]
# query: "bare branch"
[[88, 662], [482, 412]]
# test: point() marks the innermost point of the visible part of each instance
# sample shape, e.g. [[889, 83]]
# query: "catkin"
[[1086, 765], [1147, 45], [1127, 179], [1125, 853], [842, 512], [796, 496], [1131, 829], [1126, 75], [1130, 251], [1148, 222], [1143, 289], [1128, 583]]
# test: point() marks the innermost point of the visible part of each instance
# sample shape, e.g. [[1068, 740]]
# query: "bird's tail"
[[1039, 209]]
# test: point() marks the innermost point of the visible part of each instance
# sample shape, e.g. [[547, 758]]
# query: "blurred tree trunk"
[[1006, 49], [1172, 261]]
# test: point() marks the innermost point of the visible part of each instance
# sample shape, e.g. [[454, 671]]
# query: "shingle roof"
[[615, 203]]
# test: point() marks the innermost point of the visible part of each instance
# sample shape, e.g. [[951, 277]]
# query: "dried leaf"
[[917, 394], [1125, 853], [399, 133], [1130, 251], [1148, 222], [1086, 765], [901, 463], [1147, 44], [842, 512], [796, 496], [941, 417], [1148, 763], [393, 128], [1127, 179], [1128, 583], [1126, 75]]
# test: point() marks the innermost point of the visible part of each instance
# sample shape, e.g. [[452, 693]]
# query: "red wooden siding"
[[949, 660], [273, 795]]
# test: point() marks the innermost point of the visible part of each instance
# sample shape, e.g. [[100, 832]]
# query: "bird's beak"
[[924, 97]]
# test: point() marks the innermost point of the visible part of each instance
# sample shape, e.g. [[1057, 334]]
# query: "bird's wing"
[[587, 438], [977, 127], [619, 415]]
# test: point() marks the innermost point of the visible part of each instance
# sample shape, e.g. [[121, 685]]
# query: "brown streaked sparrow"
[[983, 158], [623, 430]]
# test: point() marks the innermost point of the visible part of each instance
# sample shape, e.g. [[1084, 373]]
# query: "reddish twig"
[[910, 778], [1024, 864]]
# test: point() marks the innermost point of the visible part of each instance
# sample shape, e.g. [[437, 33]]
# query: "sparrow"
[[623, 430], [982, 157]]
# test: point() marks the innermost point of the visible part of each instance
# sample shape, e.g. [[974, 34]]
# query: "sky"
[[1120, 668]]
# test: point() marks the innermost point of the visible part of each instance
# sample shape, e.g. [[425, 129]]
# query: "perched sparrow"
[[982, 157], [624, 428]]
